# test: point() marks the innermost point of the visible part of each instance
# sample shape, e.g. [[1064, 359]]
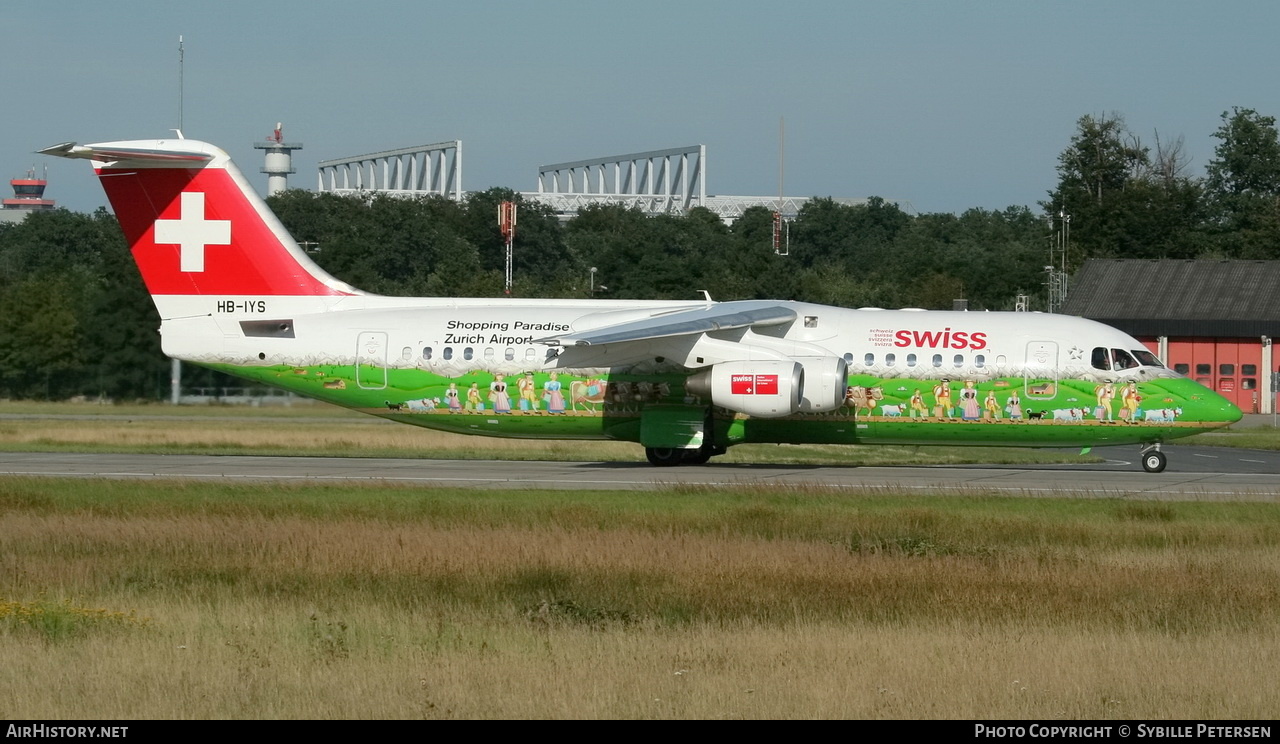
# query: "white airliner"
[[685, 380]]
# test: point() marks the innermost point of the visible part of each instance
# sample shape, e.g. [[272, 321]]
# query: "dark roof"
[[1179, 298]]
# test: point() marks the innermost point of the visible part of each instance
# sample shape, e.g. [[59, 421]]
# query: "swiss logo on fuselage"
[[753, 384], [944, 339]]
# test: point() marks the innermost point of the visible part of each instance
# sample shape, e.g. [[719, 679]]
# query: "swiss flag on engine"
[[753, 384]]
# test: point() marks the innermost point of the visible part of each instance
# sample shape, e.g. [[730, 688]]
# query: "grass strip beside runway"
[[192, 599]]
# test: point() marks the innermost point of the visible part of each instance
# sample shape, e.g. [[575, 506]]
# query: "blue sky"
[[946, 105]]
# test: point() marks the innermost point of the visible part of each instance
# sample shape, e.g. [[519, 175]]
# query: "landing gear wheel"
[[664, 456], [698, 456], [1154, 461]]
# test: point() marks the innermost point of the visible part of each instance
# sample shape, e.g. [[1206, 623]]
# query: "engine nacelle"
[[765, 389], [825, 381]]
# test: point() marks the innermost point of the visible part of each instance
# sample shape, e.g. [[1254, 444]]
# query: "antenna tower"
[[781, 233], [507, 224], [1057, 268]]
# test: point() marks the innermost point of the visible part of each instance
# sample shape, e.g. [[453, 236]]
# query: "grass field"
[[196, 600], [1263, 438], [321, 430], [133, 600]]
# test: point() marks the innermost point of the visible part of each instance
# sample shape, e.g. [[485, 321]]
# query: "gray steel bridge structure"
[[670, 181]]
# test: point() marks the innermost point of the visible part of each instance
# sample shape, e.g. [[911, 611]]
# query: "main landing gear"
[[664, 456], [1153, 460], [668, 456]]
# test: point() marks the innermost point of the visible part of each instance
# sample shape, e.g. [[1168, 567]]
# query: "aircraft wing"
[[717, 317]]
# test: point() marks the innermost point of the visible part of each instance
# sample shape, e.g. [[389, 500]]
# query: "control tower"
[[279, 159], [28, 196]]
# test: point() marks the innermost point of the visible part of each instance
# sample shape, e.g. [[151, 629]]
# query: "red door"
[[1231, 367]]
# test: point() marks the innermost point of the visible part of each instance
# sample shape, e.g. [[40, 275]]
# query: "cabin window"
[[1248, 369], [467, 353], [1249, 383], [1101, 358], [1001, 361], [911, 360], [958, 361], [426, 353], [488, 354], [530, 354], [848, 357], [1147, 358], [1182, 369], [406, 354], [980, 361], [869, 360], [1122, 360], [890, 360], [1204, 369], [448, 353], [510, 355], [810, 321], [937, 360], [1226, 369]]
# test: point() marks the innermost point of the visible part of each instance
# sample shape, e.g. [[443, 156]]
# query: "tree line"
[[75, 318]]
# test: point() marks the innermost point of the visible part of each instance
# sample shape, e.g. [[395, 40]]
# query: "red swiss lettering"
[[944, 339]]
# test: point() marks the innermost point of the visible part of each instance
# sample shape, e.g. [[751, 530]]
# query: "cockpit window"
[[1147, 358], [1122, 359], [1101, 358]]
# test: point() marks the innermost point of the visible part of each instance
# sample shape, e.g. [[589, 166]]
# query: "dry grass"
[[360, 437], [303, 408], [321, 602], [370, 437], [1261, 437], [262, 660]]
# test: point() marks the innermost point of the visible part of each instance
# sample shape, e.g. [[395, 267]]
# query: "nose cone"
[[1201, 404], [1230, 412]]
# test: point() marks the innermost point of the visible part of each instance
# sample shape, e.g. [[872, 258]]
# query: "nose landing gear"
[[1153, 460]]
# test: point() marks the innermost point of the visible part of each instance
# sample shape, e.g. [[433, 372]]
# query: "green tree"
[[1096, 174], [624, 248], [75, 317], [40, 337], [1243, 185], [1247, 157], [854, 235], [541, 263], [1123, 200]]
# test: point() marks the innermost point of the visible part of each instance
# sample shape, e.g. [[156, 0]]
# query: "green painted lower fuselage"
[[998, 412]]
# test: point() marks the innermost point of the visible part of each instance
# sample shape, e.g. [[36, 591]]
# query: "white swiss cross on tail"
[[192, 232]]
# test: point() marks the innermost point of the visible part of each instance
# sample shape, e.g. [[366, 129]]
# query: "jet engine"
[[825, 382], [765, 389], [770, 389]]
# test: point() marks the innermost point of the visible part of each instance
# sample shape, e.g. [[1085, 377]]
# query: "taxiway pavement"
[[1216, 477]]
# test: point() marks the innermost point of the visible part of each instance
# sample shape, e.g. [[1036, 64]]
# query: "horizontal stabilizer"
[[116, 156]]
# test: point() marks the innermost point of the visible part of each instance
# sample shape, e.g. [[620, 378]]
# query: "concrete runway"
[[1194, 473]]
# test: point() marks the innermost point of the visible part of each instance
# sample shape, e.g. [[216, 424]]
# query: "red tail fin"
[[194, 224]]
